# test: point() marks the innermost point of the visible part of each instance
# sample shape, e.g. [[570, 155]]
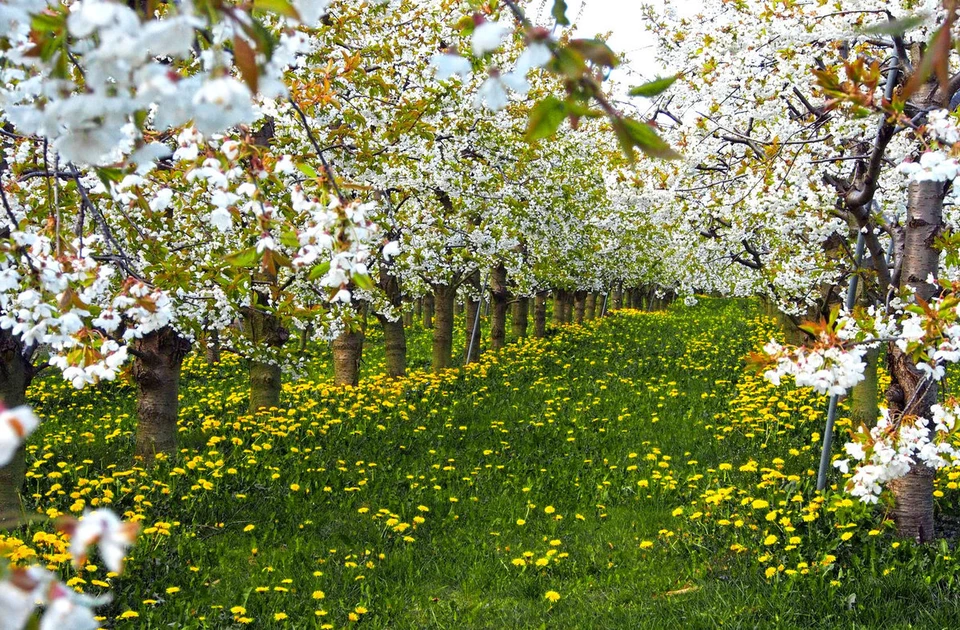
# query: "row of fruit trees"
[[247, 175]]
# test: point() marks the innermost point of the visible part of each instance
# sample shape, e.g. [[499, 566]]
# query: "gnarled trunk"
[[499, 297], [156, 370], [540, 315], [520, 317], [910, 394], [15, 375], [444, 296]]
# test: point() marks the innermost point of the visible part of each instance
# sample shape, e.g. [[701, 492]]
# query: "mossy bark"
[[864, 398], [444, 296], [158, 357]]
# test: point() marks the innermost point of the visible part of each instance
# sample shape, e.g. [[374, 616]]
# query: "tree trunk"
[[15, 375], [568, 302], [474, 328], [263, 329], [540, 315], [499, 295], [266, 380], [910, 395], [213, 347], [444, 296], [428, 301], [418, 308], [520, 317], [590, 306], [347, 350], [579, 306], [617, 299], [864, 398], [156, 370], [394, 338], [558, 307]]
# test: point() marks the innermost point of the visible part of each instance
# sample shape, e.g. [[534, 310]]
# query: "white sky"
[[629, 37]]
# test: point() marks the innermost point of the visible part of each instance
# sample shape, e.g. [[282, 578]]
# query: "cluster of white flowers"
[[487, 38], [64, 608], [64, 301], [828, 370], [888, 452], [338, 241], [127, 71]]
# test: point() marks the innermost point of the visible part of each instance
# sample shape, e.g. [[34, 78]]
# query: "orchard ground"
[[627, 473]]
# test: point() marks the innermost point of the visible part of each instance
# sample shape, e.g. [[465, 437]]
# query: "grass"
[[631, 465]]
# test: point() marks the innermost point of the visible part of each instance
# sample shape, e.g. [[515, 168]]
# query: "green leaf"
[[545, 118], [559, 12], [897, 27], [244, 258], [633, 134], [653, 88], [363, 281], [307, 170], [319, 270], [596, 51], [282, 7]]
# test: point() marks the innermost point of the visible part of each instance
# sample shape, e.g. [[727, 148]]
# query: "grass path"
[[453, 501]]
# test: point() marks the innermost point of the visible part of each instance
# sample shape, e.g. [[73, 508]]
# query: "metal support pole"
[[834, 399], [603, 309], [476, 321]]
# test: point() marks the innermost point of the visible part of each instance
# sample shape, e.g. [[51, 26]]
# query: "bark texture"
[[590, 307], [579, 306], [347, 351], [499, 296], [617, 299], [156, 370], [910, 394], [394, 337], [444, 296], [15, 375], [540, 315], [520, 318], [263, 328], [213, 347], [428, 301]]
